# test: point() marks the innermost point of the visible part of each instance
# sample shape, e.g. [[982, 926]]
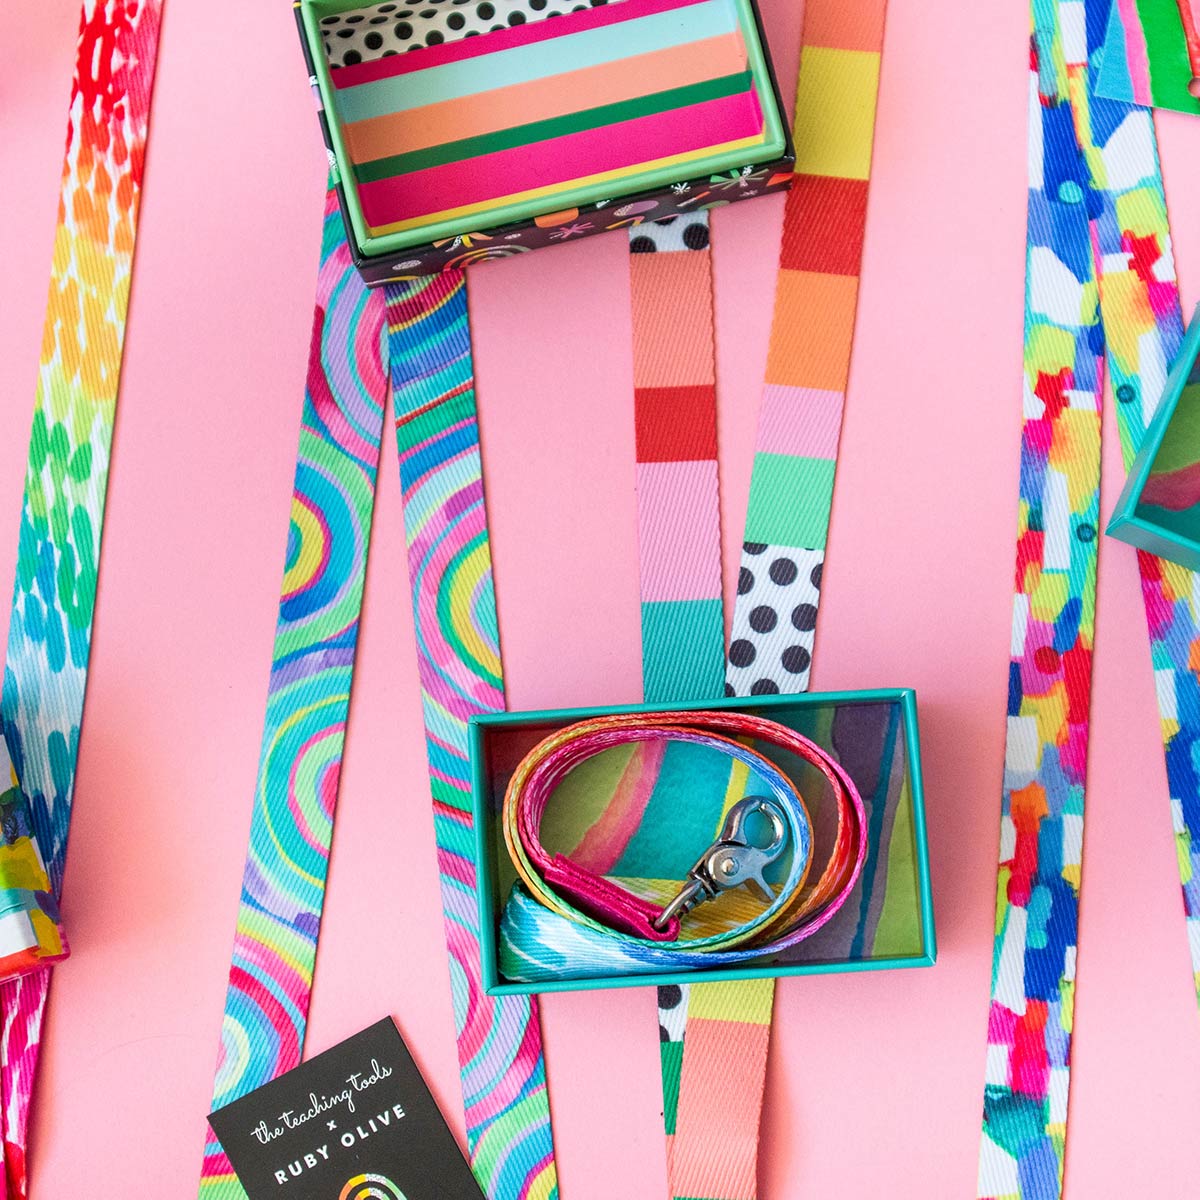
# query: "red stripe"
[[824, 224], [675, 424], [543, 164], [502, 39]]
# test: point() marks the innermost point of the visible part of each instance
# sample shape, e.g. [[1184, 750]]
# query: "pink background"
[[875, 1080]]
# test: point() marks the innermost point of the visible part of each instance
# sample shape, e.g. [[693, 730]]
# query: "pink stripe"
[[1136, 56], [679, 530], [502, 39], [612, 148], [794, 420]]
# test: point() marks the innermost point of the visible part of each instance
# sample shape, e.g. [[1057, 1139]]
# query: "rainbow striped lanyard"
[[1100, 282]]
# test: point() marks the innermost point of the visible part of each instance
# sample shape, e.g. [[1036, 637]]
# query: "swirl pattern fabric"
[[458, 653], [67, 476], [308, 697], [1099, 277]]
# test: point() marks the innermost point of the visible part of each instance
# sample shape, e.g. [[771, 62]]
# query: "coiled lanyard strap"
[[564, 920]]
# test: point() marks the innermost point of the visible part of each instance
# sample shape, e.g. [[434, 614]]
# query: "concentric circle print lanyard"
[[1100, 280], [308, 695]]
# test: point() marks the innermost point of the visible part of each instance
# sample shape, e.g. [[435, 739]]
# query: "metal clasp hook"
[[733, 859]]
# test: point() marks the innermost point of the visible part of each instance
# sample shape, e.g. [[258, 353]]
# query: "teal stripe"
[[683, 656], [523, 64]]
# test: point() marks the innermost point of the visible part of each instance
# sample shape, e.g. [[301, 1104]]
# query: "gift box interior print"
[[450, 119]]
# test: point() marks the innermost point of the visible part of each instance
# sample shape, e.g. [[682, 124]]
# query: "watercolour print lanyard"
[[1100, 279], [66, 479]]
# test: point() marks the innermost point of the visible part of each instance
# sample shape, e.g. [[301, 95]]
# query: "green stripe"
[[671, 1057], [553, 127], [683, 656], [790, 497]]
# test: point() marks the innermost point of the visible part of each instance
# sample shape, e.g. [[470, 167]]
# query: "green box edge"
[[1125, 524], [397, 243], [492, 986]]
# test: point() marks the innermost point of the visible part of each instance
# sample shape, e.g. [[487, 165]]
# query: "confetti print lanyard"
[[1099, 280], [67, 475], [711, 1034]]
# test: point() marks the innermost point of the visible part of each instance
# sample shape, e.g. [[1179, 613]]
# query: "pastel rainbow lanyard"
[[458, 655], [1100, 279], [66, 478]]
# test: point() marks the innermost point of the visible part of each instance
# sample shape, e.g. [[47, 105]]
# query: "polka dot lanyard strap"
[[1100, 281]]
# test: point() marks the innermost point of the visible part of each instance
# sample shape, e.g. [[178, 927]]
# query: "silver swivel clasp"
[[735, 858]]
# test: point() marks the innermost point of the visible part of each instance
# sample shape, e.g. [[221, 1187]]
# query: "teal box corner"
[[899, 887], [1152, 512]]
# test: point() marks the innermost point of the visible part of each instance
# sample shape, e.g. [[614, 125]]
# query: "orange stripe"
[[843, 26], [812, 331], [671, 345], [558, 95]]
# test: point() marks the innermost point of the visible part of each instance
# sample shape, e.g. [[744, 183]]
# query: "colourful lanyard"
[[712, 1034], [678, 491], [308, 696], [458, 657], [66, 478], [508, 1123], [1099, 277]]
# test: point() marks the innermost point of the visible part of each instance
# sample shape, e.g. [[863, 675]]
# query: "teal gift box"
[[1159, 508], [887, 921]]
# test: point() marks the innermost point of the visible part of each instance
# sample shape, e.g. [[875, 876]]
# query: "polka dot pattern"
[[675, 233], [672, 1013], [775, 620], [367, 34]]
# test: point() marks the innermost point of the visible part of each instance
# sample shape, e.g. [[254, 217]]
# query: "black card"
[[354, 1123]]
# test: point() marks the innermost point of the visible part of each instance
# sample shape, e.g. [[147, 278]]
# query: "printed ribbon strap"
[[678, 490], [66, 478], [1098, 247], [308, 696], [683, 639], [458, 653], [725, 1028], [678, 496]]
